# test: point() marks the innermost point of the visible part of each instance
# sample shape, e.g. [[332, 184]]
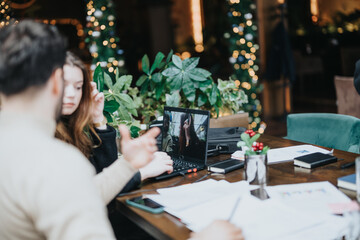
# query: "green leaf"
[[159, 57], [171, 71], [202, 99], [99, 78], [159, 90], [141, 80], [265, 149], [213, 95], [205, 85], [108, 81], [157, 77], [199, 74], [188, 88], [173, 100], [145, 64], [168, 58], [124, 99], [117, 74], [134, 131], [123, 114], [133, 111], [111, 106], [255, 137], [190, 63], [175, 83], [108, 117], [177, 61]]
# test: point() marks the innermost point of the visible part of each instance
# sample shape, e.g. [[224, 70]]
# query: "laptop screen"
[[184, 134]]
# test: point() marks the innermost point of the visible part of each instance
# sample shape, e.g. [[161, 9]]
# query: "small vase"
[[256, 169]]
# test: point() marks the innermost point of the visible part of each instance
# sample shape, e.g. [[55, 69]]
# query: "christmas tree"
[[242, 41], [101, 36], [5, 13]]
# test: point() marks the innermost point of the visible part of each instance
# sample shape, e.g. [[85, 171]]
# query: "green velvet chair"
[[325, 129]]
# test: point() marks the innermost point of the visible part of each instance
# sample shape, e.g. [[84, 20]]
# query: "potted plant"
[[119, 106], [255, 158]]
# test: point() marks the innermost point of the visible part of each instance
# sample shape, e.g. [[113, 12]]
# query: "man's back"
[[45, 185]]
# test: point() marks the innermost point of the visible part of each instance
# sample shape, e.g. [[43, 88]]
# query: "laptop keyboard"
[[179, 165]]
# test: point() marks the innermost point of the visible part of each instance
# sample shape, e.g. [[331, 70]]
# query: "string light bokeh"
[[102, 40], [5, 13], [243, 47]]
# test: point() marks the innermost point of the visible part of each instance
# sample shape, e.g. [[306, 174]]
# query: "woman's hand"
[[139, 151], [160, 164], [98, 104]]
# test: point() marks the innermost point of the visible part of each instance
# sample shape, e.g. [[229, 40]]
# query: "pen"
[[347, 165], [234, 209]]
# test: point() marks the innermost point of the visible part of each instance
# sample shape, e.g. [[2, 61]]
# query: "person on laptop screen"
[[189, 143]]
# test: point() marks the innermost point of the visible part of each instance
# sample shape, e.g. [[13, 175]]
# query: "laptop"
[[184, 139]]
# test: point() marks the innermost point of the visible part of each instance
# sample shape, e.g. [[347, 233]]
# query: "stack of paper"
[[295, 211], [289, 153]]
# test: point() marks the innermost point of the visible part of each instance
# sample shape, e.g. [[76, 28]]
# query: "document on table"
[[182, 197], [289, 153], [313, 198]]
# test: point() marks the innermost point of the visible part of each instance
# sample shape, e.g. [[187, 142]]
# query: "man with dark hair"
[[47, 186]]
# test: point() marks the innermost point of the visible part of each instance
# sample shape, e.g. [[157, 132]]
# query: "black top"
[[105, 154]]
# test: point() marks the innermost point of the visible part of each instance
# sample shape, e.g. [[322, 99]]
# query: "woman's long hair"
[[75, 128]]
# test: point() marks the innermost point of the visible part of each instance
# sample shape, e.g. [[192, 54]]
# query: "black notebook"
[[314, 160], [226, 166]]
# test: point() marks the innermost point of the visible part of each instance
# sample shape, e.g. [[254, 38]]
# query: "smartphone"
[[145, 204]]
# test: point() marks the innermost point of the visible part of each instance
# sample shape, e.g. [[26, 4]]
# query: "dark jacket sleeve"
[[357, 76], [105, 153]]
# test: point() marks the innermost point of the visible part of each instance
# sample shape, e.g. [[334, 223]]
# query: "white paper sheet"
[[289, 153], [313, 198]]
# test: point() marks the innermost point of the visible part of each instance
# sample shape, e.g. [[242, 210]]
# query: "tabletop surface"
[[165, 226]]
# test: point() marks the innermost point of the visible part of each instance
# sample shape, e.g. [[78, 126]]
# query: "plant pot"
[[256, 169]]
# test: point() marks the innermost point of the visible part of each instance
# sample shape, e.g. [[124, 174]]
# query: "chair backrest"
[[325, 129], [348, 99], [235, 120]]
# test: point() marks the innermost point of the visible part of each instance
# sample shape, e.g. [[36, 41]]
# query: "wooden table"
[[165, 226]]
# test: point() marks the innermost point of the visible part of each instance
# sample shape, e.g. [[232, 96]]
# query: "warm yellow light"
[[111, 23], [185, 55], [235, 54], [115, 62], [340, 30], [103, 8], [111, 69], [249, 44], [102, 27], [242, 41], [235, 30], [253, 96], [237, 83], [90, 32], [105, 43], [314, 9], [96, 23], [89, 13], [256, 114], [113, 45], [95, 55], [243, 52], [253, 50], [251, 62], [249, 23], [253, 57], [236, 66], [247, 55], [255, 77], [108, 65], [199, 48], [92, 19], [197, 25], [112, 40]]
